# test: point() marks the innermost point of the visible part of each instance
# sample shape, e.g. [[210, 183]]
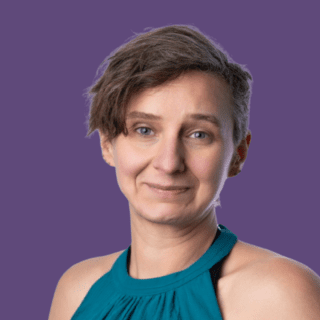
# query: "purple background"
[[60, 202]]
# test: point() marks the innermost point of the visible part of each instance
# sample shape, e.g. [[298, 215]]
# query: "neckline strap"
[[220, 248]]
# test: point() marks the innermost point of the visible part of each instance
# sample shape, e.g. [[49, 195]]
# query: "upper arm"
[[73, 287], [63, 304], [283, 289], [294, 294]]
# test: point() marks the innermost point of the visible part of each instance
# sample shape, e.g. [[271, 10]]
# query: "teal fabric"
[[187, 294]]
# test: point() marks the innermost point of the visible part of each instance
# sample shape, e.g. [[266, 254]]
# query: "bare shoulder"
[[262, 284], [75, 283]]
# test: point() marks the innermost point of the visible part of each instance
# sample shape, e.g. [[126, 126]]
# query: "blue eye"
[[200, 133], [144, 130]]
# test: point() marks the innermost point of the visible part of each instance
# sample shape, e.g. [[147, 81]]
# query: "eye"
[[143, 131], [201, 132], [198, 134]]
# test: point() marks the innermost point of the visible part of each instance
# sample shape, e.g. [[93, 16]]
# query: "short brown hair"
[[153, 58]]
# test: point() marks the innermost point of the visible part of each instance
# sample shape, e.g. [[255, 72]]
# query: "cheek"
[[207, 167], [210, 173], [127, 167]]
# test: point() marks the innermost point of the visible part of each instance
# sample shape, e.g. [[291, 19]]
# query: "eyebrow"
[[196, 116]]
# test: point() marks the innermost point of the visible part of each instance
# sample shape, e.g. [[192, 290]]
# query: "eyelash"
[[151, 129]]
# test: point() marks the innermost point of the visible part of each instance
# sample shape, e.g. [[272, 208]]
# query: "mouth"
[[168, 193], [168, 188]]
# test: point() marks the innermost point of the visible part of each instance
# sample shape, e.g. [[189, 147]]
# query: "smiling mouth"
[[169, 188], [168, 194]]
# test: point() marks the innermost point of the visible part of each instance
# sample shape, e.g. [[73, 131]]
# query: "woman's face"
[[175, 149]]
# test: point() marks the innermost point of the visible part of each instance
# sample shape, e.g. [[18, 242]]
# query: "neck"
[[156, 253]]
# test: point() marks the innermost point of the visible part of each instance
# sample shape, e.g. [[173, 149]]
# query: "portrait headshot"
[[159, 160], [172, 111]]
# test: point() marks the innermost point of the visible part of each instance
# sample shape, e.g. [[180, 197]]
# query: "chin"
[[162, 213]]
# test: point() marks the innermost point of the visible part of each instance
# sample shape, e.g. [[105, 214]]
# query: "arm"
[[284, 289], [74, 285], [63, 304]]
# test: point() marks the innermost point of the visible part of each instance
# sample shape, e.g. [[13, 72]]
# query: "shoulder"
[[75, 283], [271, 286]]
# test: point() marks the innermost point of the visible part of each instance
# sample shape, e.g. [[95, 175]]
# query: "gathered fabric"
[[187, 294]]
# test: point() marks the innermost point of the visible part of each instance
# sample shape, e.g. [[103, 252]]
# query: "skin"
[[168, 236]]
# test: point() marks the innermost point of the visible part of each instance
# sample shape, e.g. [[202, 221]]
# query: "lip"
[[169, 195], [168, 188]]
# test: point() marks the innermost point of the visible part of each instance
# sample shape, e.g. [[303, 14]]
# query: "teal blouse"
[[187, 295]]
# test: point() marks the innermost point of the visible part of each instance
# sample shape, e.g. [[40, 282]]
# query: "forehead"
[[193, 92], [198, 84]]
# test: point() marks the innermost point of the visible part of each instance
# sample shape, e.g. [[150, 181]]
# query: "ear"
[[239, 156], [106, 149]]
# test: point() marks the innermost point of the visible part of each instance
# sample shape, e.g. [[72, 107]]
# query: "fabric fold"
[[187, 294]]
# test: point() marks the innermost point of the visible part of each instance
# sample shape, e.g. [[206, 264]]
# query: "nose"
[[169, 156]]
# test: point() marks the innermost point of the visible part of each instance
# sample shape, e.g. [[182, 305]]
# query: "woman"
[[172, 114]]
